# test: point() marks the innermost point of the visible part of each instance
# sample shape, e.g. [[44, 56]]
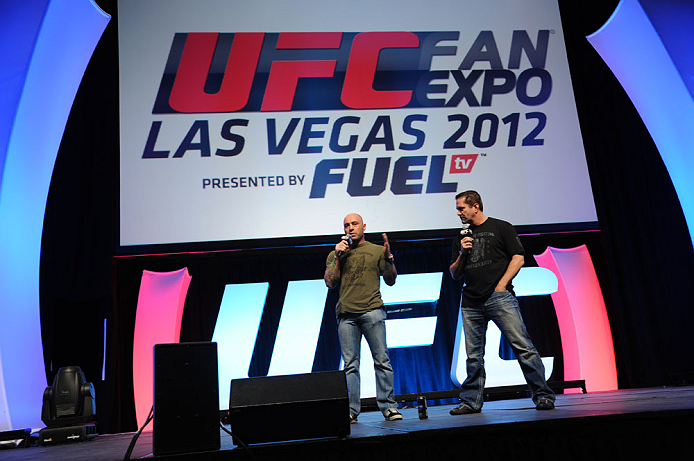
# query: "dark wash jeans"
[[372, 325], [501, 308]]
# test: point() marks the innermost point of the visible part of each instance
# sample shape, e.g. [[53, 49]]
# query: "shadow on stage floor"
[[627, 424]]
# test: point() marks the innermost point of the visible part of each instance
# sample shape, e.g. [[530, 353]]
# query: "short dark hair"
[[471, 197]]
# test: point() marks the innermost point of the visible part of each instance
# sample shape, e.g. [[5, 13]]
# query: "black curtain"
[[642, 253], [79, 235]]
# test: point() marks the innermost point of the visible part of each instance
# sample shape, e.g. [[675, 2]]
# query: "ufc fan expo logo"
[[359, 72]]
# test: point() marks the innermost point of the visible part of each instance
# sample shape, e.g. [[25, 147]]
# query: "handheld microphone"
[[465, 231], [349, 241]]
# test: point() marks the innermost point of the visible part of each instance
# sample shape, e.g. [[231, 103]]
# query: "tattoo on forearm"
[[332, 272]]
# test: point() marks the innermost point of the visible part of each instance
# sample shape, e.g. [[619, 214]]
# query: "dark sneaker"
[[392, 415], [352, 419], [463, 409], [544, 404]]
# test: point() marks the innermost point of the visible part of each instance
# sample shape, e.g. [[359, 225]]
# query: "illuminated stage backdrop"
[[50, 46], [657, 35]]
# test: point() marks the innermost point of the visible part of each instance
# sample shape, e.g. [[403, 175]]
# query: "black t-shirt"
[[495, 243]]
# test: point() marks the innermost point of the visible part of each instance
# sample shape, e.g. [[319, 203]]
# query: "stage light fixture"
[[69, 408]]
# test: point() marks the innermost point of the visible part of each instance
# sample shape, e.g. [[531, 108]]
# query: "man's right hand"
[[341, 247], [466, 243]]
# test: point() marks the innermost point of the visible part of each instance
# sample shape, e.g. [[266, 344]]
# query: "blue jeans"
[[372, 325], [501, 308]]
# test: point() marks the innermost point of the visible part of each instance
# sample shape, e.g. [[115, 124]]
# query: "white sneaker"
[[392, 414]]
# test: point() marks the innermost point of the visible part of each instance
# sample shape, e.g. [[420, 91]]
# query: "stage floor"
[[605, 425]]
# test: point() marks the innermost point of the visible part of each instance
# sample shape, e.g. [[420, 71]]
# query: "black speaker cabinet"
[[186, 398], [291, 407]]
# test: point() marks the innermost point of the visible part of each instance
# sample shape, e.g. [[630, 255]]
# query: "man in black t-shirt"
[[487, 255]]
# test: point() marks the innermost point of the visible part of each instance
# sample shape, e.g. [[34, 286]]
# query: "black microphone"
[[465, 231], [349, 241]]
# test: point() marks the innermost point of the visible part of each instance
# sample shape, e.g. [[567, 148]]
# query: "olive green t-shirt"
[[360, 271]]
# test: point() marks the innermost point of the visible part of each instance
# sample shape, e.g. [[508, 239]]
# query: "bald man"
[[357, 267]]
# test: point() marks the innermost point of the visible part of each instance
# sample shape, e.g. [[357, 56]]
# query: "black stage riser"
[[610, 437]]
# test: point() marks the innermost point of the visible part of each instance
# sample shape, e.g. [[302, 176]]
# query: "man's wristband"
[[391, 259]]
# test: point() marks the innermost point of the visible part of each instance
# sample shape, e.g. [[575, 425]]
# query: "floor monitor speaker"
[[291, 407]]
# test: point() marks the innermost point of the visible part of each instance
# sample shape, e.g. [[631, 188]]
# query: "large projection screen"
[[273, 119]]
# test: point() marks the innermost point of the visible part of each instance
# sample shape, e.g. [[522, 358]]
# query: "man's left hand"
[[386, 247]]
